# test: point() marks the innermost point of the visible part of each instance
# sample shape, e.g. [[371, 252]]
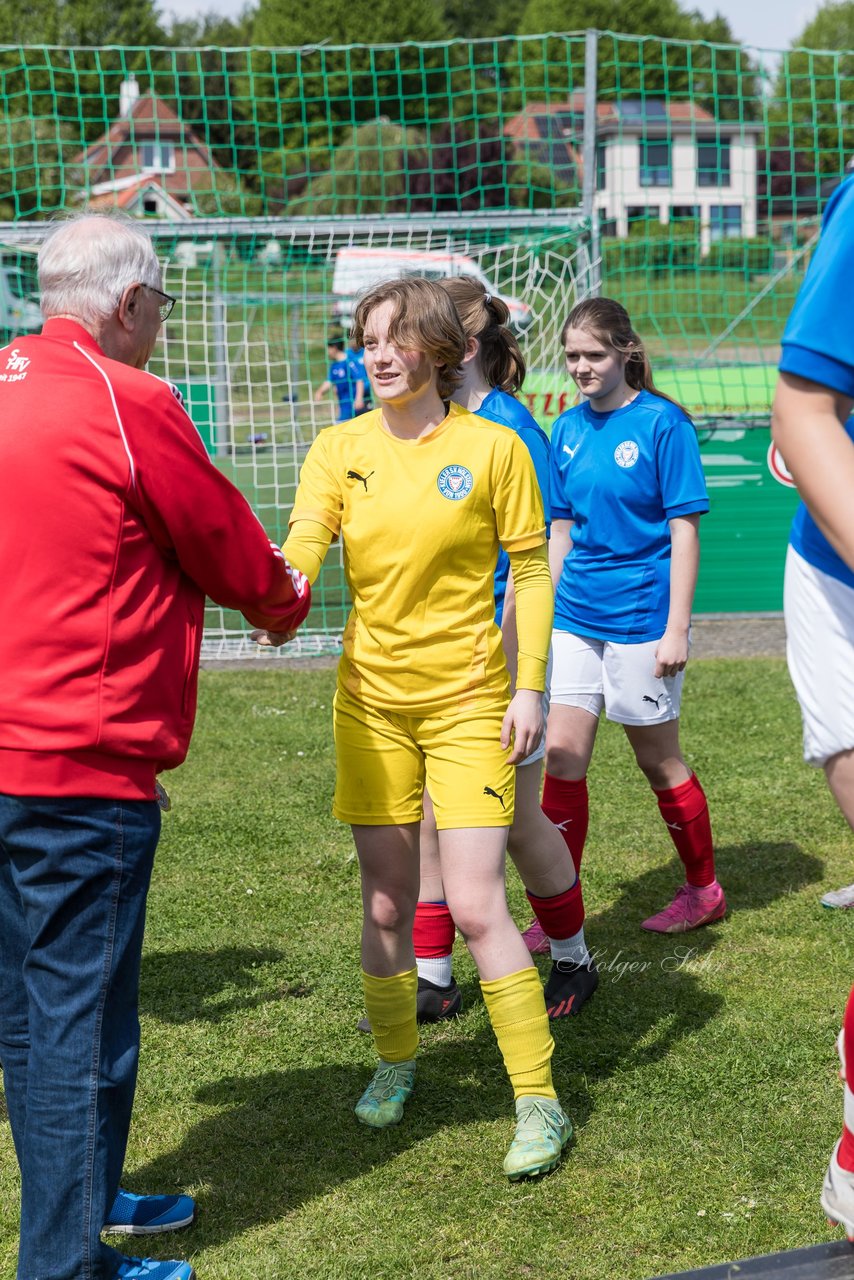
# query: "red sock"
[[433, 930], [565, 804], [561, 916], [686, 813], [845, 1155]]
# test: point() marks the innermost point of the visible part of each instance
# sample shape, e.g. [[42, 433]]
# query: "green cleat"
[[382, 1102], [542, 1132]]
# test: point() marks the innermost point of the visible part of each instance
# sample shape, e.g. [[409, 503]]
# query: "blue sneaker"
[[148, 1215], [151, 1269]]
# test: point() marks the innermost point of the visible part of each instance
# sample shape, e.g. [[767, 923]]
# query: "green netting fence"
[[686, 179]]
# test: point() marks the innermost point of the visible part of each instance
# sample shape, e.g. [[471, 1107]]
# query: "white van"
[[358, 269]]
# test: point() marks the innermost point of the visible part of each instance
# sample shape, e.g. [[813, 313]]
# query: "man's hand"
[[272, 639]]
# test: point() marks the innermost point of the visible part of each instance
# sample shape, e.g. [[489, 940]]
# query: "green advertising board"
[[745, 534], [200, 403]]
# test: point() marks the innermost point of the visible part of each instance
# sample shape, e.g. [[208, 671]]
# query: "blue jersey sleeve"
[[538, 447], [502, 407], [680, 471], [817, 339]]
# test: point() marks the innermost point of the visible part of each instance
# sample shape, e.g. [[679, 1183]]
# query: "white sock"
[[437, 970], [574, 948]]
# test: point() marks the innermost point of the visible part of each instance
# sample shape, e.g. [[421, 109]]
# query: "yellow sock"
[[390, 1003], [517, 1011]]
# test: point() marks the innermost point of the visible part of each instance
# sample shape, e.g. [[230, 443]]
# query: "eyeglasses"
[[165, 307]]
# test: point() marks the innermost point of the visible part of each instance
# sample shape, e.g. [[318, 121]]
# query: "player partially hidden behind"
[[423, 493], [493, 369], [627, 493], [347, 377], [813, 430]]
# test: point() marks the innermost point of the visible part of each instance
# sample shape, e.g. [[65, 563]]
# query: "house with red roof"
[[149, 162]]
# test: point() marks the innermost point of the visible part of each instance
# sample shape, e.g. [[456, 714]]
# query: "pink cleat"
[[535, 939], [691, 908]]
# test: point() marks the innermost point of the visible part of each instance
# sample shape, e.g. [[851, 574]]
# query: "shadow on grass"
[[185, 986], [274, 1141], [282, 1138], [652, 991]]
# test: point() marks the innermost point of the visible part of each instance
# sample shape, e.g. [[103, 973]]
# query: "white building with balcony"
[[655, 159]]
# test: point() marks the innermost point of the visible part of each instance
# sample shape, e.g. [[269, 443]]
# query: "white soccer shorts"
[[820, 649], [593, 674]]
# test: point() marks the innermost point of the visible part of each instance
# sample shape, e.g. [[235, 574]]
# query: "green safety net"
[[685, 179]]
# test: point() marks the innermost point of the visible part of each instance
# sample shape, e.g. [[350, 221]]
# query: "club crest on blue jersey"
[[455, 482], [626, 454]]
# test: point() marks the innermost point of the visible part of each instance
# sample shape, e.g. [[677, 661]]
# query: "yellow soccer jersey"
[[421, 522]]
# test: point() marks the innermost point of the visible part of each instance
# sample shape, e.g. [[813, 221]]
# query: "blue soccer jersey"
[[341, 376], [620, 477], [500, 406], [818, 344]]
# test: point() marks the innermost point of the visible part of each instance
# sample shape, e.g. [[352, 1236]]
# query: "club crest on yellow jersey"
[[455, 482]]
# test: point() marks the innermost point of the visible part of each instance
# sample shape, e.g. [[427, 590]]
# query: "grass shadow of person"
[[296, 1131], [188, 986], [651, 991]]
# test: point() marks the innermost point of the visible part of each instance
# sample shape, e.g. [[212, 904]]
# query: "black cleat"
[[437, 1004], [570, 986], [432, 1004]]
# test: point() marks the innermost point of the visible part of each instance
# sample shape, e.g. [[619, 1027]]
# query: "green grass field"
[[701, 1079]]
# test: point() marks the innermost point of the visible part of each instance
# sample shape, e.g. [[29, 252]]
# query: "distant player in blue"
[[627, 493], [347, 376], [813, 430], [494, 368], [359, 378]]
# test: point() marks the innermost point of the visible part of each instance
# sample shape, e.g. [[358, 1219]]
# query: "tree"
[[336, 22], [370, 173], [35, 163], [75, 23], [717, 77], [466, 21], [813, 111]]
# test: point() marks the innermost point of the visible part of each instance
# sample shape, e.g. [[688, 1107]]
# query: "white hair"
[[87, 262]]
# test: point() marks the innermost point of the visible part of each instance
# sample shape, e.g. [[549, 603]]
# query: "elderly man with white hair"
[[115, 526]]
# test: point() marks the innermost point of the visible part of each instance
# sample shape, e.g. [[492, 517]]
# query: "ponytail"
[[487, 318]]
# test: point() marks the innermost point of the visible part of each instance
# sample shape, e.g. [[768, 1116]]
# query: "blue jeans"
[[74, 876]]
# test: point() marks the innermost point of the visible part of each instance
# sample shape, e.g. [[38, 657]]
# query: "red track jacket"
[[114, 526]]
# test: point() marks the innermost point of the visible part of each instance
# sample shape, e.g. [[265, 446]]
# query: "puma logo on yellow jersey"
[[354, 475]]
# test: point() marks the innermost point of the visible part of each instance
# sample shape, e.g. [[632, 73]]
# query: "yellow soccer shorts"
[[386, 758]]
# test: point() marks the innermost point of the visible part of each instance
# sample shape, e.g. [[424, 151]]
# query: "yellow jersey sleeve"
[[516, 499], [306, 546], [318, 495], [534, 612]]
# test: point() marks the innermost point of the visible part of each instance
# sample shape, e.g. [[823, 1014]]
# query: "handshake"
[[272, 639]]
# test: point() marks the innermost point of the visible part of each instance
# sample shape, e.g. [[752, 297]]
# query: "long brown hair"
[[608, 320], [486, 317], [423, 319]]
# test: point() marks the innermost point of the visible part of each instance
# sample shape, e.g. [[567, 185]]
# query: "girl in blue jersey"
[[627, 493], [493, 370]]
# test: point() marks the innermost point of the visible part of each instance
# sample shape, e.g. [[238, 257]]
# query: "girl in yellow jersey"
[[423, 493]]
